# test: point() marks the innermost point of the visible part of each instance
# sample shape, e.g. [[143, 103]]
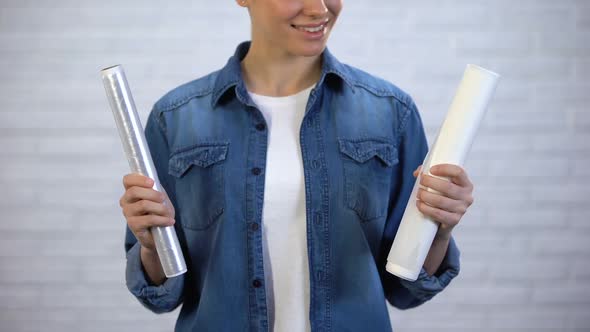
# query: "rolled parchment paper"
[[140, 161], [416, 232]]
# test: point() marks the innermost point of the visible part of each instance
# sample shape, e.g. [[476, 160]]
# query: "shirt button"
[[260, 126], [317, 218], [256, 171], [254, 226], [256, 283]]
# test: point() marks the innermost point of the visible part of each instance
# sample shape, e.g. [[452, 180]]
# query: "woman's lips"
[[311, 28]]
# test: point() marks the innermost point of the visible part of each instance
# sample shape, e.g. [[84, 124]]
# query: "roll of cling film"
[[140, 161]]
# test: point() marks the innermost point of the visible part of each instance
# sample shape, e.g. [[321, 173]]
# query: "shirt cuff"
[[426, 287], [162, 298]]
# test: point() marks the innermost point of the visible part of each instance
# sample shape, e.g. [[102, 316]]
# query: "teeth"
[[321, 27], [314, 29]]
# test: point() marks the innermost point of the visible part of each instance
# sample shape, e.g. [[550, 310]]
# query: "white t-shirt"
[[283, 215]]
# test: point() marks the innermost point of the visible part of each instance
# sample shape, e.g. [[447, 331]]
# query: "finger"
[[140, 223], [445, 187], [444, 217], [417, 171], [135, 193], [144, 207], [136, 179], [441, 202], [454, 173]]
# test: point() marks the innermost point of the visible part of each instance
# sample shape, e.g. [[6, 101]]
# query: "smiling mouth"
[[311, 28]]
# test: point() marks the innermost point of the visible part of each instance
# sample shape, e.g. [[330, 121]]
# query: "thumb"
[[417, 171]]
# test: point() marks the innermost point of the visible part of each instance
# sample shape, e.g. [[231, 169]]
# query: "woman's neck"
[[270, 72]]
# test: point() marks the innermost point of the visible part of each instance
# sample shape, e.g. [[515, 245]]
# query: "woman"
[[287, 173]]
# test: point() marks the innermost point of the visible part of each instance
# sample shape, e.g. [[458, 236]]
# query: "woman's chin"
[[308, 49]]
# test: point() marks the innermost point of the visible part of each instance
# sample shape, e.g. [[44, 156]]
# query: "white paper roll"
[[416, 232]]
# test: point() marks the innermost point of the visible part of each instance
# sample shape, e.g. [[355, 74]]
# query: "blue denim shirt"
[[361, 138]]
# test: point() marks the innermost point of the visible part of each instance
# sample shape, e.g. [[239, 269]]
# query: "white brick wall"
[[524, 243]]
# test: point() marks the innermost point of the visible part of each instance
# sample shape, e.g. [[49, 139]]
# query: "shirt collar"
[[231, 74]]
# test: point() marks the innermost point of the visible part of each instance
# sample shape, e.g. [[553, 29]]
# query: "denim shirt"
[[361, 138]]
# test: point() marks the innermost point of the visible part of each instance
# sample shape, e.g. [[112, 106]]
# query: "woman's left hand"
[[454, 197]]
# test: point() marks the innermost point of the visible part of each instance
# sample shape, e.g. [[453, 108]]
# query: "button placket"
[[257, 292], [318, 236]]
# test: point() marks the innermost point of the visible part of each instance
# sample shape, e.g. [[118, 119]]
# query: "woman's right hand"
[[144, 207]]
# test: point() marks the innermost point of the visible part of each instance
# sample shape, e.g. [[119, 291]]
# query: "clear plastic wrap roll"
[[140, 161], [416, 232]]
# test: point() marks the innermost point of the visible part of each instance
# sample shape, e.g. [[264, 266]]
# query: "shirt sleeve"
[[159, 299], [404, 294], [169, 295]]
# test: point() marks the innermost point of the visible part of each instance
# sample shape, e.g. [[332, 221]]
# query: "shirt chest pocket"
[[200, 185], [368, 167]]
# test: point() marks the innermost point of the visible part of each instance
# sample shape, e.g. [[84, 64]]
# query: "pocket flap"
[[203, 155], [362, 150]]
